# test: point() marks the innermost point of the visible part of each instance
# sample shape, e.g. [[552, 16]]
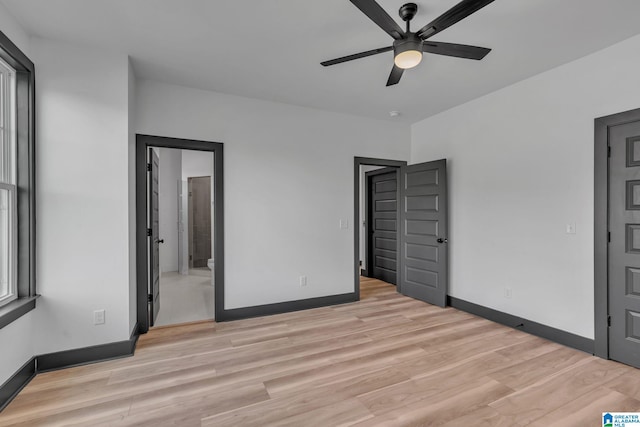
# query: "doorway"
[[164, 248], [363, 165], [416, 215], [617, 237], [183, 289]]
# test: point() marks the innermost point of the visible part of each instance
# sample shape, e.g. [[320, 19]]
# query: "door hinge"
[[609, 236], [190, 257], [609, 321], [149, 232], [149, 167], [609, 151], [150, 297]]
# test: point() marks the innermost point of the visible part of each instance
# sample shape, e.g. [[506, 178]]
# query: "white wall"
[[520, 165], [196, 163], [15, 339], [170, 175], [83, 195], [288, 181], [17, 343], [12, 29]]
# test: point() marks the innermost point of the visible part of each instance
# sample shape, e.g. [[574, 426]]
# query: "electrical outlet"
[[98, 317], [571, 229], [507, 292], [344, 224], [303, 280]]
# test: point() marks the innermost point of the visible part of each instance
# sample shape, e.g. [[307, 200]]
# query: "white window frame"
[[8, 170]]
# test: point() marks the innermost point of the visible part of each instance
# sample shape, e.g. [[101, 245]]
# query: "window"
[[8, 205], [17, 183]]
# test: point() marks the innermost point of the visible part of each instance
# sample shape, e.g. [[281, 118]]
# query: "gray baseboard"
[[283, 307], [65, 359], [10, 389], [86, 355], [529, 326]]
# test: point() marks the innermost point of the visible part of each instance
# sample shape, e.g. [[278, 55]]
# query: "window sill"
[[16, 309]]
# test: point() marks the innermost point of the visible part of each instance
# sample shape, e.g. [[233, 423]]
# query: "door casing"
[[601, 225], [143, 142]]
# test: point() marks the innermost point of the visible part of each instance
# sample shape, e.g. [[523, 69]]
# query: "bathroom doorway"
[[184, 251]]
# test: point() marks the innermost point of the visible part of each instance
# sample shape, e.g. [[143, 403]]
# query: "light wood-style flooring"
[[386, 360]]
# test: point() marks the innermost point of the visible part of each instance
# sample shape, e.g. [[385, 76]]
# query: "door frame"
[[143, 142], [601, 225], [357, 162]]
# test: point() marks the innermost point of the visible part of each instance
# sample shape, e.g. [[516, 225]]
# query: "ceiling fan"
[[408, 46]]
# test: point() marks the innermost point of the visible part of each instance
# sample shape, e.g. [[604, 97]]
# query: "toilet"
[[211, 265]]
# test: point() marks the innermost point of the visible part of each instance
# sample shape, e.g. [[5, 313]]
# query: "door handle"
[[441, 240]]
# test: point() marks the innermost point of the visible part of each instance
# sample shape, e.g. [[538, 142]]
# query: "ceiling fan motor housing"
[[410, 42]]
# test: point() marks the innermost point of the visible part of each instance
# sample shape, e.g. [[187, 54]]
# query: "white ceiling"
[[272, 49]]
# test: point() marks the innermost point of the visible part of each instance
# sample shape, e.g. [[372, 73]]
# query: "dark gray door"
[[154, 243], [199, 221], [382, 201], [423, 232], [624, 245]]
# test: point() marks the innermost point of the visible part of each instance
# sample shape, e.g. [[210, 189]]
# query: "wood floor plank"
[[627, 384], [343, 370], [345, 412], [521, 375], [484, 416], [528, 349], [330, 391], [386, 360], [437, 383], [182, 409], [552, 393], [440, 408], [587, 409]]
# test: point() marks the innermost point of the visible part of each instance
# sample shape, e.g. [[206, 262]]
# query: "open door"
[[423, 232], [154, 239], [382, 224], [199, 221], [624, 243]]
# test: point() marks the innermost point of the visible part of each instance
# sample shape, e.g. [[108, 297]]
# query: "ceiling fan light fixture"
[[408, 59], [407, 52]]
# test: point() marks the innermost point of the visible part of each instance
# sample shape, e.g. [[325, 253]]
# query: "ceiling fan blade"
[[396, 74], [456, 14], [356, 56], [377, 14], [454, 49]]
